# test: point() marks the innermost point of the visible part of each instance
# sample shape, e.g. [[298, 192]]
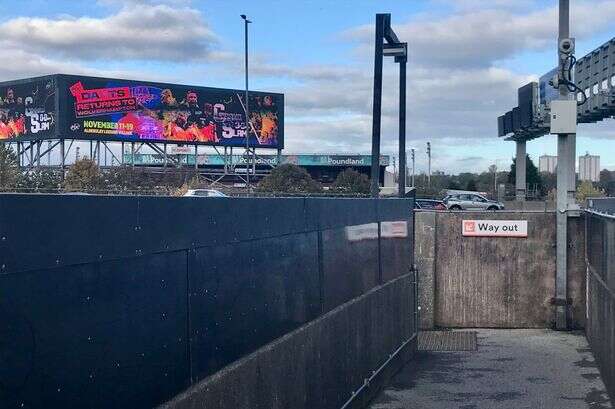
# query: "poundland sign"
[[494, 228]]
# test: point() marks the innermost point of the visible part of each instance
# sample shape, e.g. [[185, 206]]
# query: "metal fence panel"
[[125, 301], [245, 295], [601, 294], [44, 231], [97, 335]]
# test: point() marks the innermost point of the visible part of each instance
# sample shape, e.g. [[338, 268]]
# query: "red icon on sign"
[[469, 226]]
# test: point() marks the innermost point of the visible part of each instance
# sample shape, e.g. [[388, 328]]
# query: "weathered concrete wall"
[[321, 363], [425, 259], [533, 206], [498, 282], [600, 328]]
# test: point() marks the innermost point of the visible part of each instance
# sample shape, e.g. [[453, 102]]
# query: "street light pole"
[[247, 110], [428, 164], [412, 150]]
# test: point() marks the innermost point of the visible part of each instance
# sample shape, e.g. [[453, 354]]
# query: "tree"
[[453, 185], [129, 178], [10, 173], [549, 182], [471, 185], [351, 181], [45, 179], [586, 190], [84, 174], [607, 182], [532, 177], [289, 178]]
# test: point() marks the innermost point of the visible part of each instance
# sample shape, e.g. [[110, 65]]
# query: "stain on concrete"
[[509, 359], [585, 363], [591, 376], [597, 399], [537, 379]]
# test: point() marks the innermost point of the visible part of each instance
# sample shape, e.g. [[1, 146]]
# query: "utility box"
[[563, 117]]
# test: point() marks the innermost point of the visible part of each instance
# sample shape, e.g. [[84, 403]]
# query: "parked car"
[[471, 201], [204, 193], [429, 204]]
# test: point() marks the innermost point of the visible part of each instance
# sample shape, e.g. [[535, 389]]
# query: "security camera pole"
[[563, 123], [392, 48]]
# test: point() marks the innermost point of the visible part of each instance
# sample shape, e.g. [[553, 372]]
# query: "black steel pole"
[[402, 127], [377, 105]]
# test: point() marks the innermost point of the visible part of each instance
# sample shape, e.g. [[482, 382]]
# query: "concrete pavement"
[[512, 369]]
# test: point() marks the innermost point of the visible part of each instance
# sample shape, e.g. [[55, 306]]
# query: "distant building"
[[589, 167], [547, 163]]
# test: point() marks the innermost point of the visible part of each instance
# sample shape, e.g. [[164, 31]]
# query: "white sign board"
[[396, 230], [360, 232], [494, 228]]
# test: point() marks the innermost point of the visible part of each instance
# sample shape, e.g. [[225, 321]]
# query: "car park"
[[429, 204], [471, 201]]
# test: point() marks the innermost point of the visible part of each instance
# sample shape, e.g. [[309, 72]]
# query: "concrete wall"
[[322, 363], [600, 328], [425, 259], [532, 205], [495, 282]]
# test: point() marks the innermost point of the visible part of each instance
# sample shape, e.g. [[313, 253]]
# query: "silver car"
[[471, 201]]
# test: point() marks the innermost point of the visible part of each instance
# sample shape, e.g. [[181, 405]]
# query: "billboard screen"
[[124, 110], [27, 109]]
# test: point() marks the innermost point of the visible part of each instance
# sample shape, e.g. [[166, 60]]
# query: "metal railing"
[[600, 261]]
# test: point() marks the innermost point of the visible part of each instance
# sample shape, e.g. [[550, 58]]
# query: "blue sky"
[[467, 58]]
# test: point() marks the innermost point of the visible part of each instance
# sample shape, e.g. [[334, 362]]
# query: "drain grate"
[[447, 341]]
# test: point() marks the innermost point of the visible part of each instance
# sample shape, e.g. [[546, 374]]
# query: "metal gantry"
[[555, 105]]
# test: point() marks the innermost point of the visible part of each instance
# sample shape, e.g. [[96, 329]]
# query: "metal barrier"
[[111, 301], [604, 205], [600, 259]]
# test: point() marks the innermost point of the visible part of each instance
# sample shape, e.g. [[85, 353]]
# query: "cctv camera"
[[566, 46]]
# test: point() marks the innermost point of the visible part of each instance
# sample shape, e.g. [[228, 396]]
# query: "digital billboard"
[[27, 109], [89, 108], [99, 108]]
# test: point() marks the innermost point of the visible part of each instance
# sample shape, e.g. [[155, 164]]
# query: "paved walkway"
[[516, 369]]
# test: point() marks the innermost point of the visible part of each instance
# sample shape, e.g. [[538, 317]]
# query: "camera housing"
[[566, 45]]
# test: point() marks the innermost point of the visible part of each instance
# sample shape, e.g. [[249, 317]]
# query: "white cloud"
[[136, 32], [480, 37]]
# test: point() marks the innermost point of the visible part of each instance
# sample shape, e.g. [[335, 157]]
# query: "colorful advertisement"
[[110, 109], [27, 110]]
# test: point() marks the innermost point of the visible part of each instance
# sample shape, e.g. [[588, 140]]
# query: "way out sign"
[[494, 228]]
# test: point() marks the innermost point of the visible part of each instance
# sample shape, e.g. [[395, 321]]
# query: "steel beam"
[[377, 104], [402, 128]]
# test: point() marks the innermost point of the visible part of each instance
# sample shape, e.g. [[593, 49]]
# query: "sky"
[[466, 60]]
